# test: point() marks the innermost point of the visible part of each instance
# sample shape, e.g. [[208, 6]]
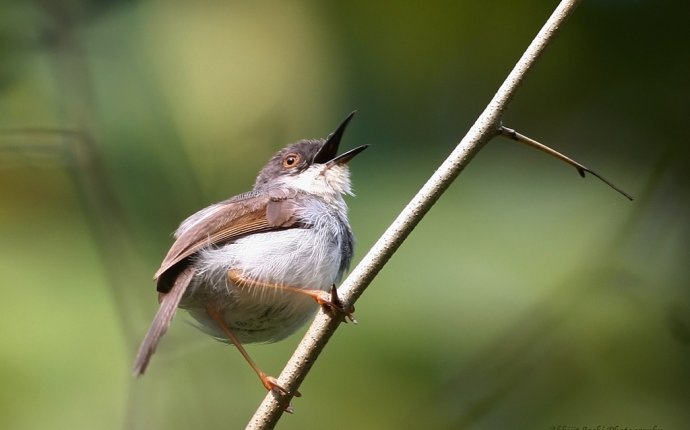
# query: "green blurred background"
[[527, 298]]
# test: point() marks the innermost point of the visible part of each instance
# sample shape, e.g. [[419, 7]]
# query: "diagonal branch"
[[484, 129]]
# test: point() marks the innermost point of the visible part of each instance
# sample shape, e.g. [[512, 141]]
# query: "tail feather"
[[162, 320]]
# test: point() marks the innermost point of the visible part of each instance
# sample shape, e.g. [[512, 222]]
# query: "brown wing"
[[226, 221]]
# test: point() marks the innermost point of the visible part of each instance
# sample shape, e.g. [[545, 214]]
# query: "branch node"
[[581, 169]]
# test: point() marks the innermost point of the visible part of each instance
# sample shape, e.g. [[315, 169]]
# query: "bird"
[[253, 268]]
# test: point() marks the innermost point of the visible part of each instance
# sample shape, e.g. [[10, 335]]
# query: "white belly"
[[294, 258]]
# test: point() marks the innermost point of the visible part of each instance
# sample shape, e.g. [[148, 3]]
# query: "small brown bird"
[[250, 268]]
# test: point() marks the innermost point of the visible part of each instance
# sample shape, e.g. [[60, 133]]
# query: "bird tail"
[[168, 305]]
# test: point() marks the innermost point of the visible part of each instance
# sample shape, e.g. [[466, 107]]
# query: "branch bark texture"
[[484, 129]]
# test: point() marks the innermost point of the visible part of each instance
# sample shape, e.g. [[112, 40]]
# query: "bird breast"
[[298, 258]]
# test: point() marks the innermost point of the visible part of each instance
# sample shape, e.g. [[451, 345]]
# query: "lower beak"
[[345, 157]]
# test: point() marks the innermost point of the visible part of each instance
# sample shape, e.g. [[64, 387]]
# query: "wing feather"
[[224, 222]]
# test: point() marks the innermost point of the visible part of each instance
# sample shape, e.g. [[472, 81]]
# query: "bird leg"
[[269, 382], [329, 300]]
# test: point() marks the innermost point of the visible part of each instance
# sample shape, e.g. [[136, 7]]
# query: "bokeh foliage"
[[528, 298]]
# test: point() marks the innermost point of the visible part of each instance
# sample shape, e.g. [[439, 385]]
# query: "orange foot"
[[332, 304], [271, 384]]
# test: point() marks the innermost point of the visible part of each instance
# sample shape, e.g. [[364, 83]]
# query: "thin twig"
[[485, 128], [581, 169]]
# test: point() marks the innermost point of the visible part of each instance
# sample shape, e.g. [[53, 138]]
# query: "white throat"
[[327, 182]]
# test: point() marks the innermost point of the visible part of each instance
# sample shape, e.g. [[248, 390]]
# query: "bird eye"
[[291, 160]]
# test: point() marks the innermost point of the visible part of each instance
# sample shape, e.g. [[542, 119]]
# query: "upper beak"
[[329, 150]]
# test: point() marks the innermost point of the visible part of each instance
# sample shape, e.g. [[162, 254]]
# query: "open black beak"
[[329, 150]]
